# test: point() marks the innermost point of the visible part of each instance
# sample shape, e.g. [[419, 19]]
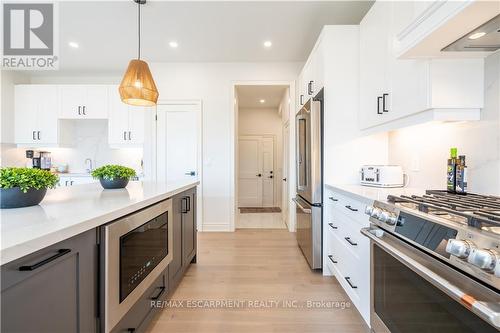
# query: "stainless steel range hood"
[[485, 38]]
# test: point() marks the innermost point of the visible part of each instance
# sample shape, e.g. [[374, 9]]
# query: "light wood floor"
[[255, 265]]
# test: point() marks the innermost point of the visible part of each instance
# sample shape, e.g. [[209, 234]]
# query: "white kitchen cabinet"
[[428, 89], [126, 123], [36, 119], [346, 252], [83, 102]]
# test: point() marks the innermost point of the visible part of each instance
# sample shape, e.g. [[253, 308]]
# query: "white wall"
[[213, 84], [427, 147], [265, 122]]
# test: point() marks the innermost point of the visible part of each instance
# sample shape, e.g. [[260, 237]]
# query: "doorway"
[[260, 165]]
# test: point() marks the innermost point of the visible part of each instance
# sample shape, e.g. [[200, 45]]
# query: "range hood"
[[485, 38]]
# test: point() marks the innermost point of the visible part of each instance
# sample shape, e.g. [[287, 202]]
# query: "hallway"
[[263, 271]]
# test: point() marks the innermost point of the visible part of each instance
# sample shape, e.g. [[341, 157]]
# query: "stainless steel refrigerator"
[[309, 198]]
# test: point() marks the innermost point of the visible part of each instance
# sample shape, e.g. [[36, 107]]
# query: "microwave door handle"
[[489, 312], [305, 210]]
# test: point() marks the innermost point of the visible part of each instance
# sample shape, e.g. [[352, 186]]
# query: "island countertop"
[[68, 211]]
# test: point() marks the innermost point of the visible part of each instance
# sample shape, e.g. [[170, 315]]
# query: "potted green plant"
[[23, 187], [113, 176]]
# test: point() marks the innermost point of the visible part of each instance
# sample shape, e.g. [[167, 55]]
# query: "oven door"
[[411, 292], [138, 249]]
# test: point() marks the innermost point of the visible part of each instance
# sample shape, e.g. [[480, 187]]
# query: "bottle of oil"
[[451, 178], [461, 176]]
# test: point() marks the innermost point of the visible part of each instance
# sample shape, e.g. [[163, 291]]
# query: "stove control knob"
[[368, 210], [497, 267], [392, 219], [484, 259], [459, 248], [376, 213]]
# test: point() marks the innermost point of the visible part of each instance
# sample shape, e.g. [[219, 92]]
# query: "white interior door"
[[267, 145], [256, 171], [286, 158], [250, 172], [178, 141]]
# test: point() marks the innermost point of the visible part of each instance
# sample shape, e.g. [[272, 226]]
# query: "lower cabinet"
[[185, 234], [52, 290], [346, 251]]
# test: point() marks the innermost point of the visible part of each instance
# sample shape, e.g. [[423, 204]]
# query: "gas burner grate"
[[477, 210]]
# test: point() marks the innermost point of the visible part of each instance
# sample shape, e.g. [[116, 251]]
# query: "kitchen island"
[[56, 256]]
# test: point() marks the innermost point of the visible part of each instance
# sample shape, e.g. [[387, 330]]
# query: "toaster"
[[382, 175]]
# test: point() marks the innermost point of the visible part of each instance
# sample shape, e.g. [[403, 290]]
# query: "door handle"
[[351, 209], [348, 239], [190, 173], [378, 104], [259, 175], [383, 102], [301, 100], [271, 176], [39, 264], [305, 210], [348, 279], [284, 179]]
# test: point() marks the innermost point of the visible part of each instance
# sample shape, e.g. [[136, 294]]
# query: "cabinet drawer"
[[350, 207], [137, 316]]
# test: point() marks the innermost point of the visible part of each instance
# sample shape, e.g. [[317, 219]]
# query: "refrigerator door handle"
[[305, 210]]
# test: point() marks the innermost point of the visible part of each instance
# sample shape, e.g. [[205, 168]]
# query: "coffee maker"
[[39, 159]]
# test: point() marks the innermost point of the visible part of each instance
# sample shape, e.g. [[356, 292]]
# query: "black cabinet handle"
[[332, 226], [383, 102], [71, 182], [333, 199], [348, 239], [301, 100], [348, 279], [34, 135], [59, 253], [79, 112], [350, 208], [162, 290], [38, 135], [331, 259], [378, 104], [124, 135], [188, 203], [83, 110], [129, 135], [284, 179]]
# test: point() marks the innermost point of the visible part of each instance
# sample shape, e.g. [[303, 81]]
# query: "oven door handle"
[[489, 312]]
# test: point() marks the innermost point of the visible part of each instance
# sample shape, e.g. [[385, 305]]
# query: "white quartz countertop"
[[373, 193], [68, 211]]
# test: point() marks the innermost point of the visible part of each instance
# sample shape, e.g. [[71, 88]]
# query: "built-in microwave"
[[137, 250]]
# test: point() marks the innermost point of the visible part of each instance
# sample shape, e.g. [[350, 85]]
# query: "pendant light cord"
[[139, 30]]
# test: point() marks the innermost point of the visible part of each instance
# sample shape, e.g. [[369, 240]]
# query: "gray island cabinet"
[[59, 288]]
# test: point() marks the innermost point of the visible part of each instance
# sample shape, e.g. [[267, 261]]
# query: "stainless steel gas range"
[[435, 263]]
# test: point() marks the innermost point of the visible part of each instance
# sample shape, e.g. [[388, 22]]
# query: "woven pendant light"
[[137, 86]]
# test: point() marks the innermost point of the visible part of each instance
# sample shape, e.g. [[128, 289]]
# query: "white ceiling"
[[206, 31], [249, 96]]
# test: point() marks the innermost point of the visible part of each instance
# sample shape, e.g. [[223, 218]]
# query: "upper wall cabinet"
[[83, 102], [413, 90], [430, 26], [36, 118], [126, 123]]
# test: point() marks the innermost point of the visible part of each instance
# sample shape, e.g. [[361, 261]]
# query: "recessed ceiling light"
[[262, 101], [268, 43], [74, 45], [477, 35], [173, 44]]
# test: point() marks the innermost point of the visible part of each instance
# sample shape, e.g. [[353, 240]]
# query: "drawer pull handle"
[[331, 259], [350, 208], [348, 279], [333, 226], [348, 239], [162, 290], [59, 253], [333, 199]]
